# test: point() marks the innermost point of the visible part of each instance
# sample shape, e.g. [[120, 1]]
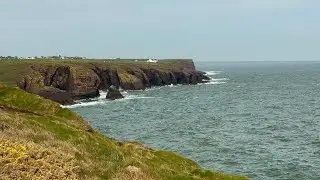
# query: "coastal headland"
[[39, 139], [66, 81]]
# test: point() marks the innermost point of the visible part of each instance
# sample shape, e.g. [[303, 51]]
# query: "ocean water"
[[259, 119]]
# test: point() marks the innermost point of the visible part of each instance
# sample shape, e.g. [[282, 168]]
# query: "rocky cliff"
[[64, 82]]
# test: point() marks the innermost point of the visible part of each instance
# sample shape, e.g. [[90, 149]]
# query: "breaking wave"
[[214, 80], [102, 100], [213, 73]]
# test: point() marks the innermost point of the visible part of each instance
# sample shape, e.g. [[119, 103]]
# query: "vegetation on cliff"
[[39, 139], [11, 71], [65, 81]]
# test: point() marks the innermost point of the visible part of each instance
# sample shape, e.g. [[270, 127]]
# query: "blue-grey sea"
[[259, 119]]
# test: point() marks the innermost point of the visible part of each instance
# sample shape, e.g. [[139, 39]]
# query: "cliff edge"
[[66, 81]]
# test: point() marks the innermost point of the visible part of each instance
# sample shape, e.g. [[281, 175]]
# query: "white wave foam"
[[83, 104], [171, 85], [102, 100], [160, 87], [216, 81], [213, 82], [213, 73], [103, 95], [221, 79], [129, 97]]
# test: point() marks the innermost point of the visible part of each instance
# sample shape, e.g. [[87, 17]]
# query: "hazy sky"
[[216, 30]]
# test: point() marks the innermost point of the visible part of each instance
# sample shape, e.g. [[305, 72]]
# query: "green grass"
[[17, 98], [31, 121]]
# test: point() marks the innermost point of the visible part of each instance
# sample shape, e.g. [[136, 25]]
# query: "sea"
[[258, 119]]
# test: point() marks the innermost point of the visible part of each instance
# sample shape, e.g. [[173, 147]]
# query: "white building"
[[30, 58], [153, 61]]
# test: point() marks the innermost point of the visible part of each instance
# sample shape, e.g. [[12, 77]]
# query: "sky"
[[205, 30]]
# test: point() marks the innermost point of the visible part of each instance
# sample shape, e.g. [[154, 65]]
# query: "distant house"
[[153, 61]]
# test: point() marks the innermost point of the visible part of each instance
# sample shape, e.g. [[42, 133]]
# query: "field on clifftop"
[[39, 139]]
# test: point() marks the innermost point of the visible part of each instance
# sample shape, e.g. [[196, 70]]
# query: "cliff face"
[[65, 82]]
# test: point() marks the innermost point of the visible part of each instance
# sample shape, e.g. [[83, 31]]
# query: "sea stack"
[[114, 93]]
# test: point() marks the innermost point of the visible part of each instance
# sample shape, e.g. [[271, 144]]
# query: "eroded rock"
[[65, 83], [57, 95], [114, 93]]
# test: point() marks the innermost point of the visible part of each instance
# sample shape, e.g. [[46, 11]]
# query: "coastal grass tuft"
[[40, 139]]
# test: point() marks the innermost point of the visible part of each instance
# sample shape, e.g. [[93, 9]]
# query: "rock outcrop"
[[114, 93], [58, 95], [65, 82]]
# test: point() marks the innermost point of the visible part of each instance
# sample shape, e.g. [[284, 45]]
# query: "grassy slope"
[[38, 138]]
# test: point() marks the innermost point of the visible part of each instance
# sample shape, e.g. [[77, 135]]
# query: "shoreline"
[[67, 81]]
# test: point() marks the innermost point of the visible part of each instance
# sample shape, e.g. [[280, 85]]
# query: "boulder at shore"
[[114, 93]]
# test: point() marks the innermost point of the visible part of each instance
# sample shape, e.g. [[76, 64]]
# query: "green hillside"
[[41, 140]]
